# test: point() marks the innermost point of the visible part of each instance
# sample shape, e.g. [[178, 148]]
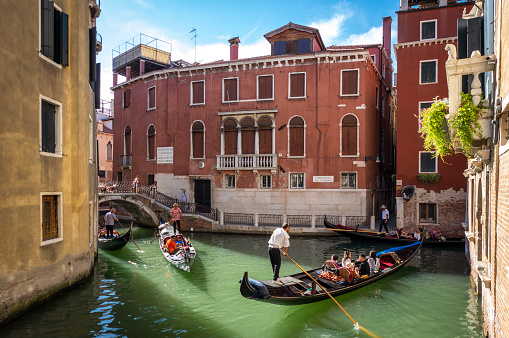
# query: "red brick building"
[[424, 29], [305, 130]]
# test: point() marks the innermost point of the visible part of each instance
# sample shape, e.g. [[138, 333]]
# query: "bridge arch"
[[136, 205]]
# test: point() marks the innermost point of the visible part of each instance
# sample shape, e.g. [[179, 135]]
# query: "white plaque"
[[323, 179], [164, 155], [399, 182]]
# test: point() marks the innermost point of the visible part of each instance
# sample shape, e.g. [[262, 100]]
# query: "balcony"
[[246, 162], [95, 8], [126, 161]]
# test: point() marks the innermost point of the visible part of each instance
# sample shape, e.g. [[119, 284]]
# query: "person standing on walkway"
[[279, 240], [385, 219], [183, 199], [176, 213], [110, 219]]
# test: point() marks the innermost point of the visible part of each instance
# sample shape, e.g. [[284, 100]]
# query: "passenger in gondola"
[[374, 263], [402, 234], [363, 268], [172, 246], [347, 258], [353, 270], [179, 240], [331, 264]]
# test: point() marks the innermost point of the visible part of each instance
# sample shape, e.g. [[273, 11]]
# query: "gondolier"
[[279, 240], [385, 219], [109, 220]]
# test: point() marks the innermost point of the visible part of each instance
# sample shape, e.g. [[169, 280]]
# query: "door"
[[202, 196]]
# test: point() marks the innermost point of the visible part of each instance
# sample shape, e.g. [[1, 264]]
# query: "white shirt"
[[385, 214], [110, 218], [183, 197], [345, 261], [279, 239]]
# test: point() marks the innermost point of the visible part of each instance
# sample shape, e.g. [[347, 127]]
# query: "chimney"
[[115, 79], [442, 3], [234, 48], [387, 35], [403, 5], [128, 73], [142, 67]]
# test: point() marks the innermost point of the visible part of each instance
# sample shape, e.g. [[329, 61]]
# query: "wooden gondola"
[[184, 257], [299, 288], [374, 236], [114, 243]]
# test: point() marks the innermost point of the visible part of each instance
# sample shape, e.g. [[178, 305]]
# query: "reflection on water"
[[138, 294]]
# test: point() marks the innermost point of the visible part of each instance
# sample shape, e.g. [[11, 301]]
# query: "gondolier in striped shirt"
[[279, 240]]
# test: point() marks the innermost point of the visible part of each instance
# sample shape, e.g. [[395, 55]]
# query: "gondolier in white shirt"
[[279, 240], [110, 219]]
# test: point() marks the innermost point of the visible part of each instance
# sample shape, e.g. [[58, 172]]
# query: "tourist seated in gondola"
[[347, 258], [374, 263], [179, 240], [331, 264], [353, 270], [402, 234], [171, 245], [363, 268]]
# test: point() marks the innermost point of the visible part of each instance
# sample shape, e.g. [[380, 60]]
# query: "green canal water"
[[138, 294]]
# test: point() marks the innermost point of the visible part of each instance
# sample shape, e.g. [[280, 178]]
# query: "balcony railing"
[[246, 162], [126, 161]]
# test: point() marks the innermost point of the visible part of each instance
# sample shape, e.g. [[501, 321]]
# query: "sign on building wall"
[[323, 178], [164, 155]]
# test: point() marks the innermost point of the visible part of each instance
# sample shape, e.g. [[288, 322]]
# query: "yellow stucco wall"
[[29, 270]]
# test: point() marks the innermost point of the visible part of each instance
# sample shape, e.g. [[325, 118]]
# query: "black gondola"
[[300, 288], [116, 242], [367, 235]]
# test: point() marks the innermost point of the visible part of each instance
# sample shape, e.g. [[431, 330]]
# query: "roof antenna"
[[194, 37]]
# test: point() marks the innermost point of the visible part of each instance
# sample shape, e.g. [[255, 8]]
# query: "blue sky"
[[339, 22]]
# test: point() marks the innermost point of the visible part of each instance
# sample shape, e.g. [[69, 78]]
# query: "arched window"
[[265, 135], [109, 151], [198, 140], [151, 142], [127, 140], [296, 136], [248, 136], [230, 137], [349, 135]]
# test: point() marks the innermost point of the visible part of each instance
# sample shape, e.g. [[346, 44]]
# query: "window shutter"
[[97, 88], [128, 98], [349, 136], [64, 39], [230, 137], [349, 82], [48, 127], [198, 92], [198, 144], [152, 97], [265, 136], [248, 136], [297, 85], [92, 34], [47, 28], [265, 87], [296, 137], [279, 47], [304, 46], [230, 90]]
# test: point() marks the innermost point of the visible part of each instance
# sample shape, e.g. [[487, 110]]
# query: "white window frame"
[[420, 71], [348, 172], [288, 145], [148, 146], [109, 159], [148, 98], [264, 186], [60, 216], [420, 32], [191, 140], [426, 221], [258, 86], [341, 136], [42, 56], [290, 86], [227, 182], [58, 126], [428, 172], [191, 98], [303, 180], [373, 57], [222, 92], [419, 113], [383, 70], [91, 140], [358, 81]]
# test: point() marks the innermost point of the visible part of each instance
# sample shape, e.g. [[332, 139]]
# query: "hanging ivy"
[[466, 122], [433, 128]]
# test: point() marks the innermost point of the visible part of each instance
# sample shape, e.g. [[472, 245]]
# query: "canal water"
[[138, 294]]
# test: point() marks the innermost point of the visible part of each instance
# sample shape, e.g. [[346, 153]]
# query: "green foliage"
[[433, 123], [466, 122], [428, 178]]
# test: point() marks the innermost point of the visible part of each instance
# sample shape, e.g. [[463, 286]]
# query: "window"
[[198, 92], [109, 151], [198, 140], [350, 82], [428, 71], [230, 137], [126, 98], [297, 85], [265, 135], [51, 126], [230, 89], [279, 48], [348, 180], [151, 142], [304, 46], [54, 33], [150, 179], [151, 98], [427, 212], [296, 137], [127, 140], [50, 217], [230, 181], [373, 57], [297, 181], [119, 176], [427, 162], [376, 97], [423, 106], [265, 89], [265, 181], [247, 132], [383, 70], [102, 173], [428, 30], [383, 106], [349, 136]]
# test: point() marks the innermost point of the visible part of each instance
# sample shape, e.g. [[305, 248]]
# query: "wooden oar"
[[132, 239], [157, 235], [328, 294]]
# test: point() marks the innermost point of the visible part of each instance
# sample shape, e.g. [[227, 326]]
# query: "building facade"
[[424, 29], [49, 204], [307, 128]]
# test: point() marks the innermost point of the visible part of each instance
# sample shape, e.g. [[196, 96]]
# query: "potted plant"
[[433, 128]]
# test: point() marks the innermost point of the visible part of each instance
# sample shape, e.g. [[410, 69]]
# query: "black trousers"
[[109, 231], [176, 224], [384, 224], [275, 261]]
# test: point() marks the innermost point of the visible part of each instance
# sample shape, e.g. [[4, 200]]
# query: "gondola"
[[184, 257], [299, 288], [114, 243], [367, 235]]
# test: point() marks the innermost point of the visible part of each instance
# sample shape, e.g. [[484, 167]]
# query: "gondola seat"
[[346, 274]]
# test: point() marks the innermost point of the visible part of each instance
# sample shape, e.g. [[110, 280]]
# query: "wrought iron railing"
[[126, 160], [354, 221], [246, 162], [270, 220], [239, 219], [300, 220]]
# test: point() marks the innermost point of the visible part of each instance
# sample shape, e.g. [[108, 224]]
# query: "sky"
[[343, 22]]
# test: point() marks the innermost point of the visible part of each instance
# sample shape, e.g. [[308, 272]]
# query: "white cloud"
[[374, 35], [331, 29], [143, 3]]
